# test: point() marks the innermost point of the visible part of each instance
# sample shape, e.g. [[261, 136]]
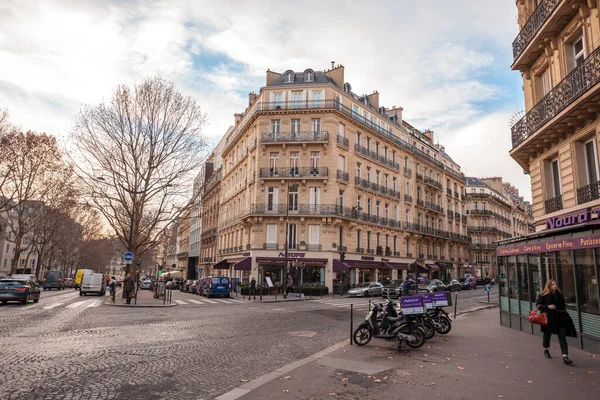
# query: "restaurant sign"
[[574, 218], [585, 242]]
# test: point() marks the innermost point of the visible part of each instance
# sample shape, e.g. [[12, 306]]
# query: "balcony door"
[[293, 199], [314, 198], [272, 199], [273, 163], [314, 239], [294, 163]]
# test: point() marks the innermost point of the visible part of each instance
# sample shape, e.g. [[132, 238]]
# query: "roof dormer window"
[[347, 88], [289, 76], [309, 75]]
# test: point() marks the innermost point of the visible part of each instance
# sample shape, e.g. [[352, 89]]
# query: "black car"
[[393, 288], [21, 290]]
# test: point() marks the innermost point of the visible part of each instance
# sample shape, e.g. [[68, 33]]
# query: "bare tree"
[[34, 178], [137, 156]]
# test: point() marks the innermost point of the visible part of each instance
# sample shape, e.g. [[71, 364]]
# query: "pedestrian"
[[252, 288], [405, 287], [552, 302], [289, 285], [128, 288], [113, 288]]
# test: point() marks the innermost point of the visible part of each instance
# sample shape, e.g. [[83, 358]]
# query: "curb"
[[489, 307], [109, 302], [270, 376]]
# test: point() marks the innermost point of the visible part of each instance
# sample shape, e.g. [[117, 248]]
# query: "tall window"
[[369, 205], [358, 238], [278, 99], [368, 240], [591, 161], [315, 157], [272, 199], [369, 174], [358, 170], [293, 198], [317, 99], [315, 124], [297, 97], [275, 126], [313, 235], [553, 179], [341, 163], [273, 163], [292, 236], [578, 51], [314, 197], [294, 162], [341, 130], [295, 126], [341, 201]]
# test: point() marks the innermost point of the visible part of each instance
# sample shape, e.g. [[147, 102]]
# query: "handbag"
[[538, 319]]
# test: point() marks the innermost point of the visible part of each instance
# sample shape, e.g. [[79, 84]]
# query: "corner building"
[[557, 53], [366, 196]]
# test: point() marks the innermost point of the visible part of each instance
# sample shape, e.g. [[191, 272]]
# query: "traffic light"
[[342, 256]]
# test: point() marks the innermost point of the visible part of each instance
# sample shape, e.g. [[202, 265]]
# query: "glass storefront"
[[522, 277]]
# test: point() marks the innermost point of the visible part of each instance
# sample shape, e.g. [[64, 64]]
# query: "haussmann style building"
[[356, 192], [557, 52]]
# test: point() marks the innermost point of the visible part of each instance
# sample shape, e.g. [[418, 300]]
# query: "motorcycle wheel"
[[428, 329], [446, 326], [362, 335], [419, 338]]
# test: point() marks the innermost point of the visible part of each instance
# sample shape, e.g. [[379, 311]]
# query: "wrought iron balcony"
[[420, 203], [342, 141], [407, 172], [479, 212], [588, 193], [376, 157], [408, 255], [553, 204], [434, 232], [433, 182], [483, 246], [533, 25], [434, 207], [421, 255], [342, 176], [456, 194], [424, 156], [450, 214], [396, 254], [464, 218], [449, 191], [360, 250], [370, 251], [374, 187], [270, 246], [341, 248], [456, 215], [283, 137], [573, 86], [294, 172], [407, 198], [379, 251], [419, 176], [314, 247]]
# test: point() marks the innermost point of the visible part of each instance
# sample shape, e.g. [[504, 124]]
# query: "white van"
[[93, 283]]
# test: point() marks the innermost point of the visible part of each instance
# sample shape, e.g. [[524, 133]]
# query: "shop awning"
[[280, 260], [339, 266], [221, 264], [422, 269], [244, 265], [397, 265], [433, 267], [367, 264], [445, 265]]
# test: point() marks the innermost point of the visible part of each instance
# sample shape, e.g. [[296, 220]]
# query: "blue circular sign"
[[128, 256]]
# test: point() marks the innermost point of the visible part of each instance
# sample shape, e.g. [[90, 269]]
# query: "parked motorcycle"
[[380, 324], [440, 319]]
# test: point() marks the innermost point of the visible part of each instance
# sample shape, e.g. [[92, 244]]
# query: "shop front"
[[304, 270], [369, 271], [445, 273], [571, 256]]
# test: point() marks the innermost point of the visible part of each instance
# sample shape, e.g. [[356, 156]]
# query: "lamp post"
[[287, 224]]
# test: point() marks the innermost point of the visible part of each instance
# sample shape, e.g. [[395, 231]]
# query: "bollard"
[[455, 304], [488, 292], [310, 292], [321, 292], [351, 322]]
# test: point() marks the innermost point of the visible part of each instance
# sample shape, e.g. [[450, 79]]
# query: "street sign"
[[128, 257]]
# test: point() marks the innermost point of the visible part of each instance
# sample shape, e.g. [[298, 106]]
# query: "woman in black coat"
[[551, 301]]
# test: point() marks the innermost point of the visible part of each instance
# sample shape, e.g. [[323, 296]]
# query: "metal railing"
[[553, 204], [533, 25], [573, 86], [588, 192], [293, 172], [342, 176], [278, 137], [407, 172], [376, 157], [342, 141]]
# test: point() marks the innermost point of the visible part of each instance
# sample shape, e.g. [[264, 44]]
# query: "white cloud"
[[435, 59]]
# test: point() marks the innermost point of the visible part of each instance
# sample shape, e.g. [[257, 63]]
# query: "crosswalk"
[[77, 304], [359, 304], [204, 301]]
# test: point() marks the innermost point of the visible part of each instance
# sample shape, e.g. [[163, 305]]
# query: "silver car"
[[366, 289]]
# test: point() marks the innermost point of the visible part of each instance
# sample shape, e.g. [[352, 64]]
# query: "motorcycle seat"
[[394, 319]]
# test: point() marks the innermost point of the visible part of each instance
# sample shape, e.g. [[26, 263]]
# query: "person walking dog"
[[551, 301]]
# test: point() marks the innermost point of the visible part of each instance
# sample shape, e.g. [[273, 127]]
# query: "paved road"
[[70, 347]]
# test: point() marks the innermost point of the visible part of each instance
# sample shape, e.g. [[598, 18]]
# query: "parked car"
[[201, 286], [186, 286], [393, 288], [467, 283], [435, 285], [92, 283], [54, 280], [69, 283], [480, 282], [216, 286], [193, 287], [21, 290], [366, 289], [146, 285], [453, 286]]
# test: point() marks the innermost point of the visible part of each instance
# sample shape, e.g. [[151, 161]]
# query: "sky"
[[446, 62]]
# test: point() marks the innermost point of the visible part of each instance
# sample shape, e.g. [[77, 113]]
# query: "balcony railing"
[[450, 214], [433, 182], [419, 176], [342, 141], [420, 203], [407, 198], [409, 255], [342, 176], [483, 246], [360, 250], [456, 215], [313, 247], [434, 232], [428, 158], [533, 25], [434, 207], [464, 218], [479, 212], [407, 172], [294, 172], [553, 204], [278, 137], [573, 86], [377, 157], [588, 193], [374, 187], [449, 191]]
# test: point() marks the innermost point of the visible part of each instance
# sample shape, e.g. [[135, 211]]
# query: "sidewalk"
[[145, 298], [478, 359]]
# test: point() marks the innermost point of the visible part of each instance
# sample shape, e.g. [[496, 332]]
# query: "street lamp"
[[287, 224]]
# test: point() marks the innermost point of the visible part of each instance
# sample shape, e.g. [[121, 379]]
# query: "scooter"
[[440, 319], [379, 324]]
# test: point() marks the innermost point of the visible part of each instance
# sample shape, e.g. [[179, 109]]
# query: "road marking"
[[95, 303], [180, 302], [237, 301], [221, 301], [51, 306], [75, 305], [194, 301], [210, 301]]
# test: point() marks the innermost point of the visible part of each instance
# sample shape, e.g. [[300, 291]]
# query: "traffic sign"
[[128, 257]]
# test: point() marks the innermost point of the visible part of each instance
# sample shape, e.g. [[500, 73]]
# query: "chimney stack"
[[251, 98], [237, 117]]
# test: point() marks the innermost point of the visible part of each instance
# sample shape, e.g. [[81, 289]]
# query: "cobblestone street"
[[83, 348]]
